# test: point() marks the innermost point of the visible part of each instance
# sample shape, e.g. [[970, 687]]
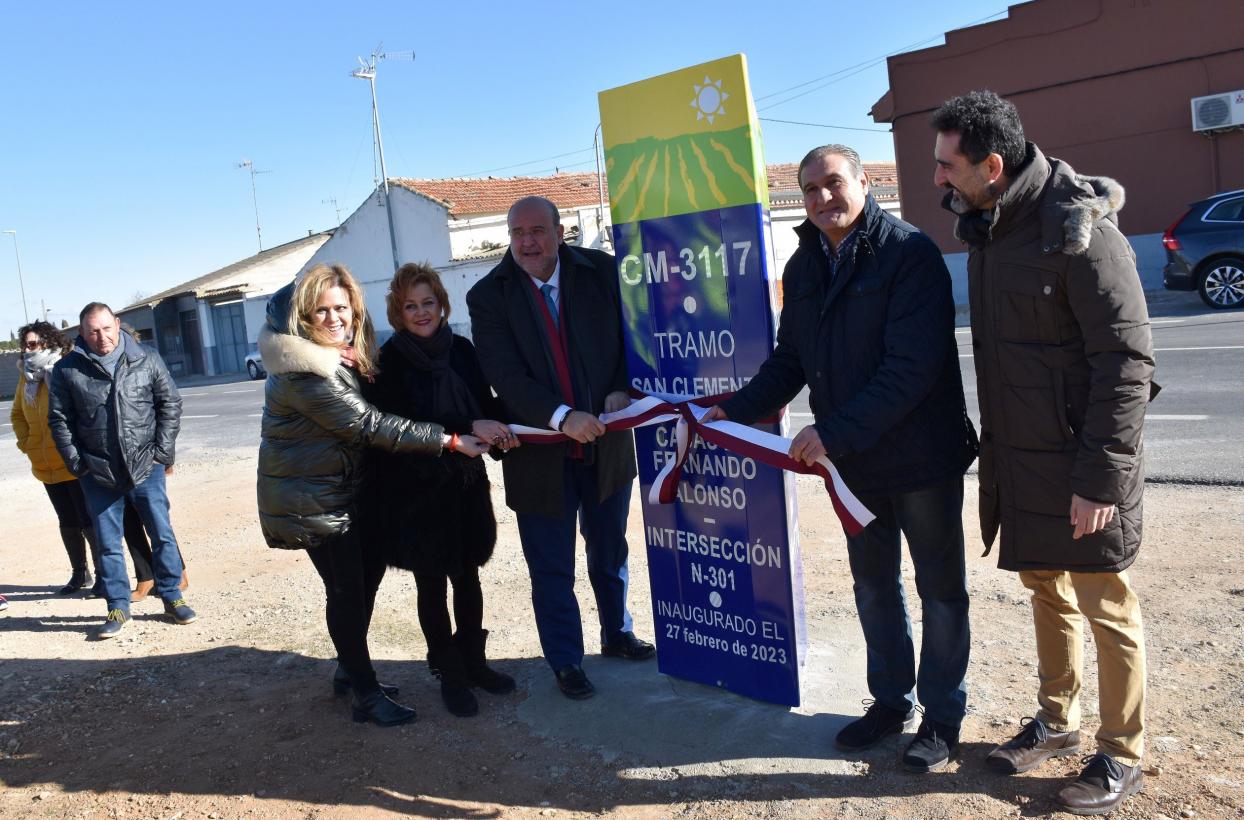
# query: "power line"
[[824, 125], [851, 71], [528, 162], [830, 79]]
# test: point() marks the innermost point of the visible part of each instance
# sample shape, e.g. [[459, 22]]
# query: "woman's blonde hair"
[[307, 295], [407, 276]]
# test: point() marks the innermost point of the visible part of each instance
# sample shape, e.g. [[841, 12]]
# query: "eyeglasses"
[[32, 345]]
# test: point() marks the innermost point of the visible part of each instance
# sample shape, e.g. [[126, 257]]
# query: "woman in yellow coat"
[[42, 347]]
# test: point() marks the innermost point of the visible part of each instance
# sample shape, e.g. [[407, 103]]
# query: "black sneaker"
[[878, 722], [935, 746], [180, 611], [117, 619]]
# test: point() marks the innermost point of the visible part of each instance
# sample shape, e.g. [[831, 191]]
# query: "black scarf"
[[451, 398]]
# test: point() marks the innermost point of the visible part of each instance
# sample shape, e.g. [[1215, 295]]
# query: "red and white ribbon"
[[688, 411]]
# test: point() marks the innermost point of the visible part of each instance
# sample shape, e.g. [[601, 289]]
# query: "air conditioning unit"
[[1218, 111]]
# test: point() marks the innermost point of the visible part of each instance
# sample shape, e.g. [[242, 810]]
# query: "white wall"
[[467, 235], [361, 243], [255, 312]]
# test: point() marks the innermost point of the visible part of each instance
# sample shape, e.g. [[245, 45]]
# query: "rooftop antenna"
[[367, 71], [332, 200], [250, 166]]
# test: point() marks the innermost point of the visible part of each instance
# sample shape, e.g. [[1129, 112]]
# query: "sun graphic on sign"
[[709, 100]]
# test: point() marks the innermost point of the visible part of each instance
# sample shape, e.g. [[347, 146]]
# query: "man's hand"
[[1088, 516], [715, 413], [617, 400], [582, 427], [495, 433], [807, 446]]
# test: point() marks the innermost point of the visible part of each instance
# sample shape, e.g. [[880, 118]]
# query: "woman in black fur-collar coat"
[[434, 513]]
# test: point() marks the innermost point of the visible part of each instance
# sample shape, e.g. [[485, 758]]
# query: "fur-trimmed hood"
[[1068, 205], [283, 353], [1076, 203]]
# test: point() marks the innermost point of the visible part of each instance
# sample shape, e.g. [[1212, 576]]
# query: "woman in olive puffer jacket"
[[317, 342]]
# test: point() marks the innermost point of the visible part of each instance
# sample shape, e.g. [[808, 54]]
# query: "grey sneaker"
[[117, 619], [180, 611]]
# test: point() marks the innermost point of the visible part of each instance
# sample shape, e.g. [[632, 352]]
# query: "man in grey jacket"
[[114, 413], [1064, 370]]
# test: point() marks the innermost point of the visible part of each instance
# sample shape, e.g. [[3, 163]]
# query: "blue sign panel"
[[727, 589]]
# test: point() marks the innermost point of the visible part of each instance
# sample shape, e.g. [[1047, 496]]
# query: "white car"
[[254, 365]]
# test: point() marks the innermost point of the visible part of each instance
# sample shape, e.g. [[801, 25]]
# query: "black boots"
[[460, 665], [74, 540], [376, 707], [342, 685], [471, 648], [445, 662]]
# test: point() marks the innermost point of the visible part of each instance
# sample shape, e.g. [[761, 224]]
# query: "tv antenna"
[[332, 200], [367, 71], [250, 166]]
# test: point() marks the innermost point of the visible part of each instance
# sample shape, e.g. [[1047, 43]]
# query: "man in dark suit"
[[547, 325]]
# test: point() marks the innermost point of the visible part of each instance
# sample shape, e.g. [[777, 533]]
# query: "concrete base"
[[677, 728]]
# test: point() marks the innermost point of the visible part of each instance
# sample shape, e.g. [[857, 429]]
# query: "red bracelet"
[[453, 442]]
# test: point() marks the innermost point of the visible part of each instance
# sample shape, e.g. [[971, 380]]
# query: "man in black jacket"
[[547, 325], [868, 325], [114, 412]]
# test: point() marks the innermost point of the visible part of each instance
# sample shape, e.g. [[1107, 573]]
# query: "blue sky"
[[123, 123]]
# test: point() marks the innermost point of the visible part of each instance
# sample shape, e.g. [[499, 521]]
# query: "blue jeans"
[[549, 547], [932, 521], [107, 509]]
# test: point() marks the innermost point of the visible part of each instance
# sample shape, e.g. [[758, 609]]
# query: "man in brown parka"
[[1064, 367]]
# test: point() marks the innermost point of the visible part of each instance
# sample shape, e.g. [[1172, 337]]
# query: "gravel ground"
[[232, 716]]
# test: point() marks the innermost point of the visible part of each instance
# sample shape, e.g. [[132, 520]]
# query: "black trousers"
[[73, 519], [352, 572], [69, 503], [434, 613]]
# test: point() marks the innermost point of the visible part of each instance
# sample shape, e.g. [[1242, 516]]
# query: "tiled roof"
[[494, 195], [784, 183], [785, 176]]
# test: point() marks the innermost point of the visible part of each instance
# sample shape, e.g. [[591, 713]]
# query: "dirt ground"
[[232, 716]]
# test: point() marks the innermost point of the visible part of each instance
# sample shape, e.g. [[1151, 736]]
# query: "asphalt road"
[[1194, 430]]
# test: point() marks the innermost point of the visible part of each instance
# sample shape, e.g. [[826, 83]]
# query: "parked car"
[[1205, 250], [254, 365]]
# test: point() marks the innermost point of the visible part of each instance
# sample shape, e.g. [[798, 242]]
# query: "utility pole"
[[367, 71], [20, 283], [250, 166], [605, 239]]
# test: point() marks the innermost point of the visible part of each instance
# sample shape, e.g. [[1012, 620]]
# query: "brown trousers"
[[1060, 602]]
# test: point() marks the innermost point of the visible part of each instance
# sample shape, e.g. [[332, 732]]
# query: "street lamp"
[[20, 283]]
